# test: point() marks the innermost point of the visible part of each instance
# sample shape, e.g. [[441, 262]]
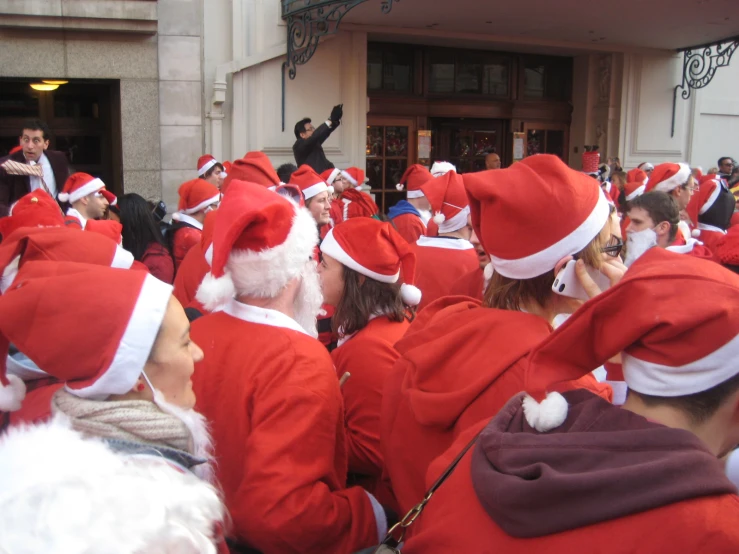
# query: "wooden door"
[[391, 148], [466, 142], [543, 137]]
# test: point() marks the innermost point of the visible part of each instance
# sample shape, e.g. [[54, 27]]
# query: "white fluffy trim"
[[488, 272], [399, 186], [439, 218], [10, 272], [695, 233], [263, 274], [547, 415], [411, 295], [214, 292], [12, 395]]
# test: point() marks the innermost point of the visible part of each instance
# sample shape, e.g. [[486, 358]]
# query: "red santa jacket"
[[368, 356], [440, 262], [357, 204], [273, 400], [459, 364], [185, 236], [471, 285], [189, 276], [159, 262], [410, 227], [520, 492]]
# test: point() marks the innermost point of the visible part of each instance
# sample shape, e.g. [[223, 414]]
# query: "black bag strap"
[[396, 533]]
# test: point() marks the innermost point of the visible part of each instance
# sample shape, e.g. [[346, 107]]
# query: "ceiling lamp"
[[48, 82], [43, 86]]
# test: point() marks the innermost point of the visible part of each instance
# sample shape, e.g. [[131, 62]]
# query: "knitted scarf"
[[129, 420]]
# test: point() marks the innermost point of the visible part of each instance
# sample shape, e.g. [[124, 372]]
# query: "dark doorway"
[[84, 118], [466, 142]]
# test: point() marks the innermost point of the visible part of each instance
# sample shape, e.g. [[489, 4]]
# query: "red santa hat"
[[205, 163], [330, 175], [415, 176], [95, 356], [107, 228], [634, 189], [668, 176], [646, 166], [533, 214], [309, 182], [78, 185], [261, 242], [354, 175], [442, 168], [669, 348], [110, 197], [637, 176], [226, 168], [58, 244], [448, 201], [196, 195], [35, 209], [376, 250], [357, 204], [15, 149], [254, 167], [206, 238]]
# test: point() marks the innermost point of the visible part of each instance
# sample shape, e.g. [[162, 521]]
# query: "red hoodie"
[[459, 364], [606, 481]]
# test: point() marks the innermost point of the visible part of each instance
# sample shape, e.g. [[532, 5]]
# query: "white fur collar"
[[263, 316], [448, 243]]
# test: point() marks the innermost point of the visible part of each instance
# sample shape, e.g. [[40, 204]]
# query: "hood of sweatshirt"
[[602, 463], [402, 207], [455, 349]]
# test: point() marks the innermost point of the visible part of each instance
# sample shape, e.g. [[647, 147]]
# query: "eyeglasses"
[[613, 247]]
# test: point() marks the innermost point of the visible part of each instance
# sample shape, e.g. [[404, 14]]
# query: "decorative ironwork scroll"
[[699, 67], [308, 21]]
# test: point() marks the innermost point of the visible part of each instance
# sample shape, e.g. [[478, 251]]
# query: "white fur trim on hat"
[[667, 381], [711, 200], [332, 248], [184, 218], [263, 274], [487, 273], [677, 180], [636, 192], [12, 395], [414, 194], [204, 204], [313, 190], [88, 188], [545, 260], [456, 222], [442, 168], [349, 178], [333, 175], [546, 415], [695, 233], [122, 258], [136, 343], [206, 167]]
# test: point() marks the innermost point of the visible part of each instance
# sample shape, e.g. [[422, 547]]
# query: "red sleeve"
[[410, 227], [289, 501]]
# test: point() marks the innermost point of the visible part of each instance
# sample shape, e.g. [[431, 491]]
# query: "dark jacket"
[[12, 187], [310, 151]]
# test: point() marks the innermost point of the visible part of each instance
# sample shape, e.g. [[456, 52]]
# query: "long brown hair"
[[511, 294], [363, 297]]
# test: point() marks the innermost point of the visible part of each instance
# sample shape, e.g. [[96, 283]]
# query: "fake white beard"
[[425, 216], [202, 444], [309, 299], [638, 243]]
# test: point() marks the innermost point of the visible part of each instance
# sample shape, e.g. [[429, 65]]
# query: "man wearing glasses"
[[725, 165], [48, 168]]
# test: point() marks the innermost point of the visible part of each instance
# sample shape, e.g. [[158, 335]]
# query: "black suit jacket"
[[310, 151], [12, 187]]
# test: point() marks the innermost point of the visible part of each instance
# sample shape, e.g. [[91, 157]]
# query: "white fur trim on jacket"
[[263, 274], [677, 180], [12, 395], [88, 188], [546, 415]]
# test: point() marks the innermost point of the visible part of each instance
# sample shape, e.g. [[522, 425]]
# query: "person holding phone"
[[308, 147]]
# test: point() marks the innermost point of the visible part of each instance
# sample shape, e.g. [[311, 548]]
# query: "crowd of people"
[[522, 359]]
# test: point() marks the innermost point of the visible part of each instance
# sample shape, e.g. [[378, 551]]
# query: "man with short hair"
[[34, 143], [725, 165], [211, 170], [269, 389], [308, 147], [411, 216], [492, 161], [87, 198], [573, 473], [653, 221]]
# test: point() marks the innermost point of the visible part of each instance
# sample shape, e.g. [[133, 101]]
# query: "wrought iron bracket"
[[307, 22], [699, 66]]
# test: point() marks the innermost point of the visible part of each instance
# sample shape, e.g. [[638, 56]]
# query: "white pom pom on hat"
[[400, 186], [695, 233], [410, 294], [439, 218], [546, 415]]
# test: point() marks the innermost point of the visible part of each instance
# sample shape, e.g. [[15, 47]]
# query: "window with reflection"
[[387, 159], [389, 68]]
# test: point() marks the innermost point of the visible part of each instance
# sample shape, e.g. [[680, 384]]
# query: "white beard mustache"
[[637, 243], [425, 216], [309, 299], [201, 443]]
